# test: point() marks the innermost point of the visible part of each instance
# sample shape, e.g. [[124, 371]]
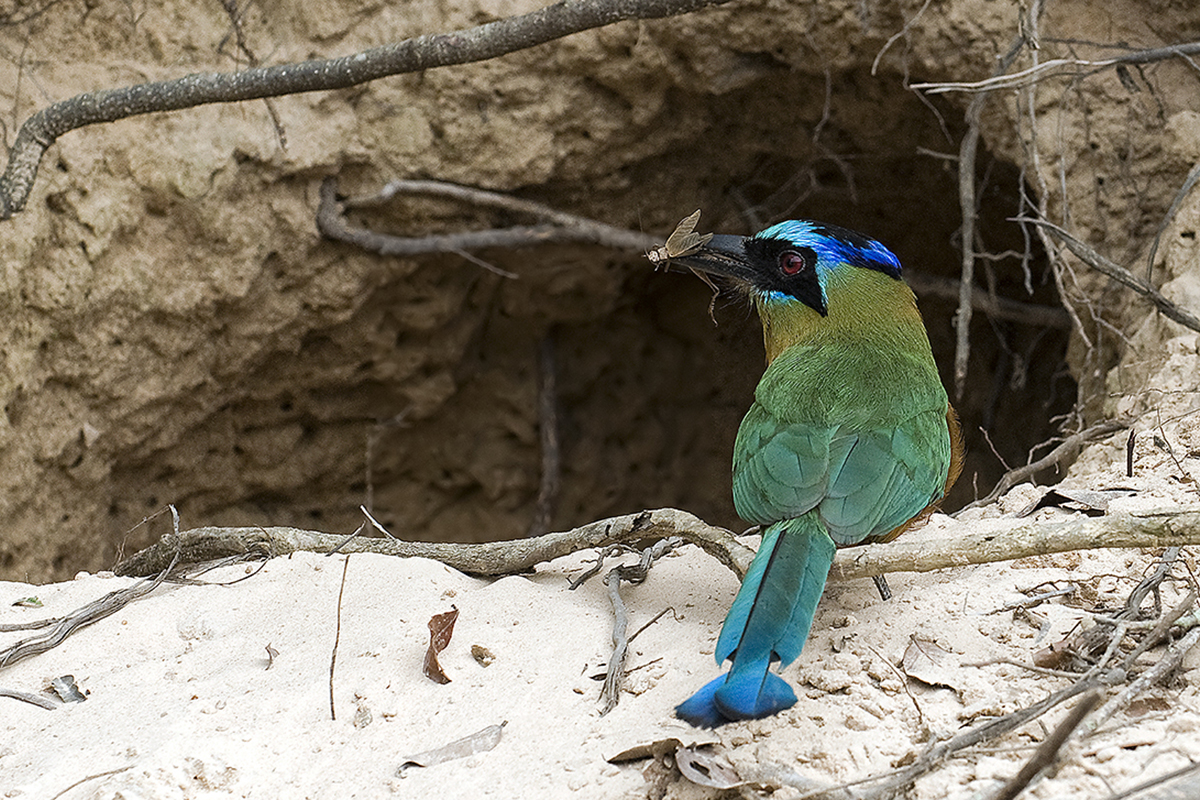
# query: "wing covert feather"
[[863, 482]]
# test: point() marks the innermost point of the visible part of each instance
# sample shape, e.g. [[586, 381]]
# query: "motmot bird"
[[851, 438]]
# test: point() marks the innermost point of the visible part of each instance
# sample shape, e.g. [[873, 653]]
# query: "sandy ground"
[[181, 702]]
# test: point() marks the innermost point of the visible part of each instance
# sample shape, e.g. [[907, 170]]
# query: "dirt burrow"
[[177, 332]]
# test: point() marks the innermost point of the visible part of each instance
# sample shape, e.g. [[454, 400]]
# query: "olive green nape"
[[861, 304]]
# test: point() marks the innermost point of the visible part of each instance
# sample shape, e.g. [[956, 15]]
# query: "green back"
[[853, 431]]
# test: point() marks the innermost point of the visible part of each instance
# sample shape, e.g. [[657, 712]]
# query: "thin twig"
[[1048, 751], [479, 262], [598, 564], [1160, 631], [1180, 196], [337, 548], [908, 24], [895, 783], [376, 524], [1065, 451], [1164, 667], [82, 617], [610, 695], [1151, 583], [547, 496], [117, 771], [590, 229], [996, 307], [922, 726], [337, 637], [32, 699], [1177, 785], [967, 202], [553, 225], [987, 438], [1053, 673], [1061, 66], [1037, 599], [653, 620], [235, 22], [1166, 445], [1119, 274], [374, 434], [1120, 631]]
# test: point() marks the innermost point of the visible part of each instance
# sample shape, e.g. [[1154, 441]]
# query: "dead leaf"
[[655, 749], [478, 742], [707, 766], [1057, 655], [482, 655], [67, 690], [441, 628], [1091, 502], [930, 663], [1081, 645], [1147, 705], [362, 714]]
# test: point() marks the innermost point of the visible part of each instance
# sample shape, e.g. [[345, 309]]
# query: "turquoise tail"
[[768, 621]]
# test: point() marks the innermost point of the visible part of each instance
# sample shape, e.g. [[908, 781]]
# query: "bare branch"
[[1066, 450], [493, 558], [562, 226], [1183, 782], [1163, 528], [610, 695], [547, 496], [557, 226], [82, 617], [994, 306], [1101, 676], [1161, 669], [588, 229], [908, 25], [412, 55], [894, 784], [1062, 66], [966, 201], [1045, 755], [1119, 274], [1180, 196]]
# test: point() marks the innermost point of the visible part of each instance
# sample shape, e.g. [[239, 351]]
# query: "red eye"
[[791, 262]]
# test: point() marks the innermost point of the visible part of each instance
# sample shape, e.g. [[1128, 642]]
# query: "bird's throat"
[[862, 304]]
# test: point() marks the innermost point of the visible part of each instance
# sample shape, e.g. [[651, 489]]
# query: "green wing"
[[859, 437]]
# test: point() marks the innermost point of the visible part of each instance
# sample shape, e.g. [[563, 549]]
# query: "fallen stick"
[[1154, 528]]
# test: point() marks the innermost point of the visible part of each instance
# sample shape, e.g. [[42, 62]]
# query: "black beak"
[[723, 254]]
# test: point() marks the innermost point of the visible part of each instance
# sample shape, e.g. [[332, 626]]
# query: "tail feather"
[[768, 621], [723, 700]]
